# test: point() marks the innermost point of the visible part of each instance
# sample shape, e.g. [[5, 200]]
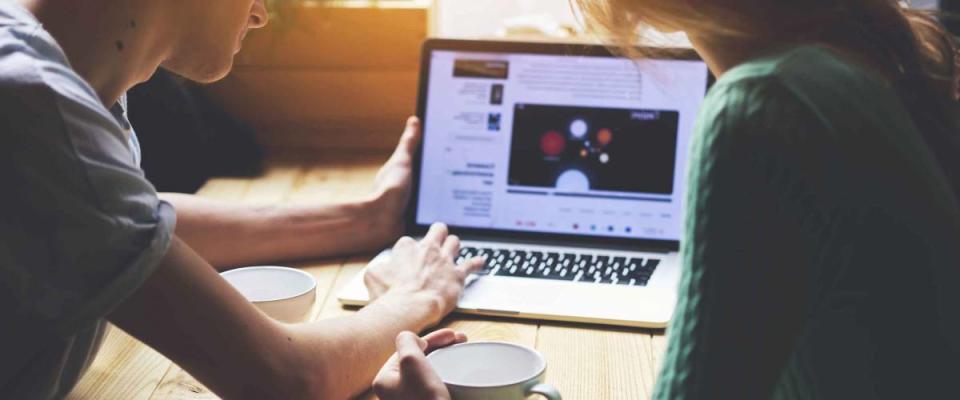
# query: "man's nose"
[[258, 15]]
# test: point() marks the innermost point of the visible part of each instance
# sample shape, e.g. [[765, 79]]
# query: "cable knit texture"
[[821, 250]]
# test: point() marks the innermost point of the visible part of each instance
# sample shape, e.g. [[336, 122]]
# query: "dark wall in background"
[[186, 139]]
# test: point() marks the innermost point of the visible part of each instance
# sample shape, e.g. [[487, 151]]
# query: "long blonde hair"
[[911, 47]]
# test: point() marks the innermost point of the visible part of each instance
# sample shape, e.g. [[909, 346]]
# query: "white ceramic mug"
[[492, 371], [284, 294]]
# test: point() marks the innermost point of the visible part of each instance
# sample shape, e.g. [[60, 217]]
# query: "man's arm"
[[190, 314], [230, 234]]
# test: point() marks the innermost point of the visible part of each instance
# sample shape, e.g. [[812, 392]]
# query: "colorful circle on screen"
[[552, 143], [604, 158], [573, 180], [604, 136], [578, 128]]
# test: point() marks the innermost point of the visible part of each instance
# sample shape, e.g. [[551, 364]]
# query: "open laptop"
[[566, 167]]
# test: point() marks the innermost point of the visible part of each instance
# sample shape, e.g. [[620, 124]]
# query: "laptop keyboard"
[[632, 271]]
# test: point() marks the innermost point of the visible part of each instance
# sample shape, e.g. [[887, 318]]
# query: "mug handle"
[[546, 390]]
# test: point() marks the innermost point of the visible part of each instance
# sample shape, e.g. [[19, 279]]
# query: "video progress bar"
[[593, 196]]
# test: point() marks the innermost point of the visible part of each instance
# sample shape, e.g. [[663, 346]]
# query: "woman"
[[821, 253]]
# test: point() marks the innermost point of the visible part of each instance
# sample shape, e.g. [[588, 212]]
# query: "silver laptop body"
[[563, 165]]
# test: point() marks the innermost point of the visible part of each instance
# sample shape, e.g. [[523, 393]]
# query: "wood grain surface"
[[584, 361]]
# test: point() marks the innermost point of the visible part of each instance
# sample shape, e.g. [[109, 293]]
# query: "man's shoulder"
[[45, 102], [33, 71]]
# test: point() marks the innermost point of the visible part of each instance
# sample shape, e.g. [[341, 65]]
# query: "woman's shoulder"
[[803, 67], [813, 77], [797, 111], [810, 83]]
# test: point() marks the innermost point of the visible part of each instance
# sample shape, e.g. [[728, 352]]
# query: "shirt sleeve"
[[747, 258], [81, 227]]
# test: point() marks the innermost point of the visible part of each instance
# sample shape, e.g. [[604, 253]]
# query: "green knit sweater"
[[822, 245]]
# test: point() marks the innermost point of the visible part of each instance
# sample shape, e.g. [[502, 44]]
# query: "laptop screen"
[[561, 144]]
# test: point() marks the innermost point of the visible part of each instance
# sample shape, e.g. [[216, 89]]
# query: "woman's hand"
[[423, 268], [408, 375]]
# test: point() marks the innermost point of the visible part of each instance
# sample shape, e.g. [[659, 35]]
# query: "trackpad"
[[534, 297], [498, 293]]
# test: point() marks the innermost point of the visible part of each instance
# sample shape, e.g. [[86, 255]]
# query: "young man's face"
[[210, 35]]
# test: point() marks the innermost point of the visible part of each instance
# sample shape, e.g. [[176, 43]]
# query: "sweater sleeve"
[[747, 264]]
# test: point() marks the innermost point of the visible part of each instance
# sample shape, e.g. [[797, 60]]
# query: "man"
[[85, 239]]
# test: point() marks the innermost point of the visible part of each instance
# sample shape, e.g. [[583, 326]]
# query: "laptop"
[[565, 166]]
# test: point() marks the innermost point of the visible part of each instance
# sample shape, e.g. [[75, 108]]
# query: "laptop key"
[[642, 277], [487, 270], [601, 261], [507, 270], [488, 253]]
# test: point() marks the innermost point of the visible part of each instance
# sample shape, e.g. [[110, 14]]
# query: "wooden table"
[[584, 361]]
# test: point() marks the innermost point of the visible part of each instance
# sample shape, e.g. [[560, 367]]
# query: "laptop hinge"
[[562, 243]]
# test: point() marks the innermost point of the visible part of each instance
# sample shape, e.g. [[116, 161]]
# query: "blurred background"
[[326, 77]]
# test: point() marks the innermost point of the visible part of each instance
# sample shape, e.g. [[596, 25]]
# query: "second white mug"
[[492, 371]]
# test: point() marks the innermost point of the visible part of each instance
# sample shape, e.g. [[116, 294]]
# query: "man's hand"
[[391, 187], [408, 375], [423, 268]]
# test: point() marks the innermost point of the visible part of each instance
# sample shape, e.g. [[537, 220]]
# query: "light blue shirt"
[[80, 227]]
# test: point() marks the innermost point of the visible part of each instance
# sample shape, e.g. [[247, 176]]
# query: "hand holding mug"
[[462, 371], [408, 375]]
